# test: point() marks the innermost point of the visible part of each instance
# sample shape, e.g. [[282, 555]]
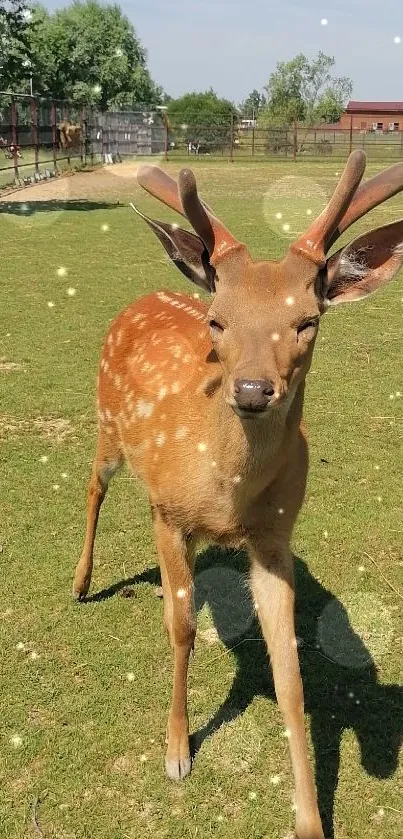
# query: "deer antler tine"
[[194, 209], [314, 242], [160, 185], [375, 191]]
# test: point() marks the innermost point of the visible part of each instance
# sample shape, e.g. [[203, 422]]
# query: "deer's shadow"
[[341, 687]]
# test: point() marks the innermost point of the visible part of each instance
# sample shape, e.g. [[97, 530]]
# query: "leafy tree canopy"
[[304, 90], [15, 53], [253, 103], [203, 118]]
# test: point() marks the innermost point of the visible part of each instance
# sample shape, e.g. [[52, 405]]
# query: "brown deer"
[[204, 403]]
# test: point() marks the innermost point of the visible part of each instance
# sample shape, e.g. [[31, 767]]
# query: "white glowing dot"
[[337, 174], [290, 301], [105, 227], [286, 228], [62, 271], [275, 779], [361, 568], [237, 479], [377, 468], [275, 336], [202, 447], [309, 212], [16, 741], [397, 39], [20, 646], [97, 88], [357, 701], [220, 818], [351, 695], [392, 396], [213, 463], [130, 677], [181, 593], [324, 21], [51, 304], [280, 511], [379, 498], [64, 476], [398, 393], [252, 796], [143, 758], [279, 215], [197, 296], [118, 52], [71, 292], [381, 811], [34, 656], [56, 487], [325, 533], [287, 733], [44, 458]]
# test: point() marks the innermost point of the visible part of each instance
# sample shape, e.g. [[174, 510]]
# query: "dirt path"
[[107, 181]]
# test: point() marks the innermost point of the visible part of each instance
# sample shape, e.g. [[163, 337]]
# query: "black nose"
[[253, 394]]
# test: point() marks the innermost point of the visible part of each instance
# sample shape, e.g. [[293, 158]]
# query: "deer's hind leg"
[[108, 459]]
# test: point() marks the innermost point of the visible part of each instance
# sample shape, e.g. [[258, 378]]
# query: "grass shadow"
[[338, 696], [25, 209]]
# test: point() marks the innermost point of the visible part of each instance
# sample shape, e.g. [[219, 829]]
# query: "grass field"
[[85, 688]]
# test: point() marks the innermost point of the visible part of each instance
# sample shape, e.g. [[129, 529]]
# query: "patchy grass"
[[85, 689]]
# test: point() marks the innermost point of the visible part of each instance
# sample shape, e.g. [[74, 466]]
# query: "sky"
[[234, 45]]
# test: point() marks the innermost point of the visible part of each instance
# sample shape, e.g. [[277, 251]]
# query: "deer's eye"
[[309, 324], [216, 327]]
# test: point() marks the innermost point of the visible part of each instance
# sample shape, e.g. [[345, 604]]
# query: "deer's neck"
[[249, 448]]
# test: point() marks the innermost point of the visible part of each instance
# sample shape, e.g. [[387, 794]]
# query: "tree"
[[90, 54], [301, 90], [203, 118], [253, 103], [15, 53]]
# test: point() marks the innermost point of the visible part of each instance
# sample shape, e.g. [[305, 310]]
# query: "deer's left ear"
[[364, 265], [186, 250]]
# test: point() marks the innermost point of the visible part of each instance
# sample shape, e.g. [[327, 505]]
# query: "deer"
[[204, 402]]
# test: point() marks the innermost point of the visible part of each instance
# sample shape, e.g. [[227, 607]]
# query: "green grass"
[[89, 761]]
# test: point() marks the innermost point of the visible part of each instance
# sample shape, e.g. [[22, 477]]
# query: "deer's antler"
[[314, 243], [183, 197]]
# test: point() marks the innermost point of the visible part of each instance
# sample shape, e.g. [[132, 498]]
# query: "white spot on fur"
[[290, 301], [162, 393], [213, 463], [118, 381], [202, 447], [160, 438], [175, 387], [275, 336], [144, 409], [181, 432], [181, 593]]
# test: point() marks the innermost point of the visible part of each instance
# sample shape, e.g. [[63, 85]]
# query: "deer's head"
[[264, 316]]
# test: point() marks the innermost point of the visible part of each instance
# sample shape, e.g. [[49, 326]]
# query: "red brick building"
[[373, 116]]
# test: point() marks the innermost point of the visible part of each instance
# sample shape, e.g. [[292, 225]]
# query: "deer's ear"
[[186, 250], [364, 265]]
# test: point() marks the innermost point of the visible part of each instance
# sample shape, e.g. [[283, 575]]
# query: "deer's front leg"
[[180, 620], [273, 590]]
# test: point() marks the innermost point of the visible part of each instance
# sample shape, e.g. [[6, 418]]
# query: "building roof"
[[374, 107]]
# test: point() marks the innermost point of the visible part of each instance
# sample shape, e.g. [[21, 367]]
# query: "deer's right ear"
[[186, 250]]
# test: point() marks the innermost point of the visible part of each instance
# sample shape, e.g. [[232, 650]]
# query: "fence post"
[[66, 117], [351, 134], [295, 142], [35, 131], [253, 138], [166, 134], [82, 141], [13, 121], [231, 153]]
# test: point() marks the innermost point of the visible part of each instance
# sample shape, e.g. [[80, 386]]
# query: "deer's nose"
[[253, 394]]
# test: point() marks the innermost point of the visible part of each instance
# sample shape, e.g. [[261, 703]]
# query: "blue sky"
[[234, 45]]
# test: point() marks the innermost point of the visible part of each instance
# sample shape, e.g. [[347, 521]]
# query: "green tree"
[[253, 104], [203, 118], [305, 91], [89, 53], [15, 53]]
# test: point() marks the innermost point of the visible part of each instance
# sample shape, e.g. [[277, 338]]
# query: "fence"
[[31, 147]]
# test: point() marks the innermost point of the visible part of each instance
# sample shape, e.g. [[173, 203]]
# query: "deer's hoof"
[[80, 593], [177, 770]]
